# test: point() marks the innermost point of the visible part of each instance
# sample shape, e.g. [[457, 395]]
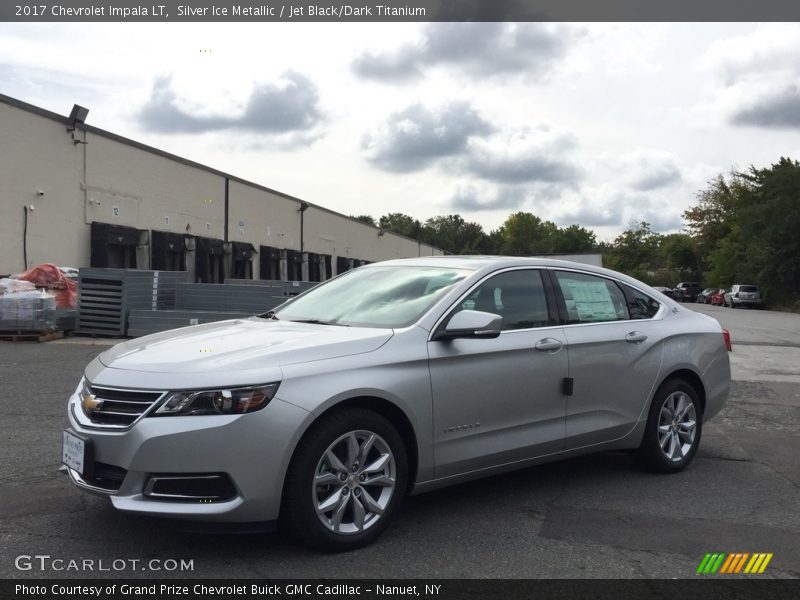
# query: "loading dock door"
[[294, 266], [243, 255], [326, 262], [313, 266], [115, 246], [270, 267], [342, 264], [167, 251], [209, 259]]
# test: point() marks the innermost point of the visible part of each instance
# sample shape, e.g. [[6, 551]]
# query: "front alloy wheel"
[[354, 482], [673, 429], [346, 480]]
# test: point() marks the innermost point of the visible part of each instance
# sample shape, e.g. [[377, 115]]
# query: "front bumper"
[[253, 450]]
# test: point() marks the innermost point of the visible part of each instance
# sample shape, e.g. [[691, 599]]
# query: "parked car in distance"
[[664, 290], [743, 295], [718, 298], [397, 377], [704, 297], [686, 291]]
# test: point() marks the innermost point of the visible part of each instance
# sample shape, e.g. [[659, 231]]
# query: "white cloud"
[[756, 76], [638, 115]]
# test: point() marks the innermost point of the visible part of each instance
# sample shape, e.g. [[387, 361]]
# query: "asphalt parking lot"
[[598, 516]]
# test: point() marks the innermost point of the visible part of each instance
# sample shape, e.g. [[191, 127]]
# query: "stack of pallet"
[[28, 316]]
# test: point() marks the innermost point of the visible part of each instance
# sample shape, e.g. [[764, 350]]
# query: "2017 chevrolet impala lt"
[[397, 377]]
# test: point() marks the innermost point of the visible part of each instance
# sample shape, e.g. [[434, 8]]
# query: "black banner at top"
[[397, 589], [398, 11]]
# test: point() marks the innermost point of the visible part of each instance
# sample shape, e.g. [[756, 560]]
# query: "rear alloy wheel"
[[347, 480], [673, 429]]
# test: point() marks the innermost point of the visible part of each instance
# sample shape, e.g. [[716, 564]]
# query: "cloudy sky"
[[601, 124]]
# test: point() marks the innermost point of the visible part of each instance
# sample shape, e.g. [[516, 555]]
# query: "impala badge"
[[462, 427]]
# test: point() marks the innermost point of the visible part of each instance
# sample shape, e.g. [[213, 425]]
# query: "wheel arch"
[[385, 408], [692, 379]]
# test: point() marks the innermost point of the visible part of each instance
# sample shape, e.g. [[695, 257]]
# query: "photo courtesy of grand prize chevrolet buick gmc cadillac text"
[[394, 378]]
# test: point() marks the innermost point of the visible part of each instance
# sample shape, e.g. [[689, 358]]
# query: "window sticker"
[[590, 300]]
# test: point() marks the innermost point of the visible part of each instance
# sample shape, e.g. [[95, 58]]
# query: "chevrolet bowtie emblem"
[[90, 402]]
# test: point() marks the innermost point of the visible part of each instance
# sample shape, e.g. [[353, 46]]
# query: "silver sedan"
[[395, 378]]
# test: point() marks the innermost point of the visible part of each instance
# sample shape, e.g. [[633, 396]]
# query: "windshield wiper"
[[318, 322], [269, 315]]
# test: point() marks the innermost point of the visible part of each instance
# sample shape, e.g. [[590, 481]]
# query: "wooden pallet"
[[30, 336]]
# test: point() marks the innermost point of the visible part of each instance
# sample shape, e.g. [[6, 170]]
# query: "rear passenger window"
[[591, 299], [517, 296], [640, 305]]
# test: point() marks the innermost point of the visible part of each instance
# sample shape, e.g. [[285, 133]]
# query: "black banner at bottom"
[[397, 589]]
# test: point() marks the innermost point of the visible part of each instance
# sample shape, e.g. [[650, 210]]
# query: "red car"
[[718, 299]]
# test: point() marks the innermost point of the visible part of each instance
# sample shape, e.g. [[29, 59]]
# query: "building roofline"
[[42, 112]]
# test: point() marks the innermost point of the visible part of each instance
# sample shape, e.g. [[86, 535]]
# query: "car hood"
[[241, 344]]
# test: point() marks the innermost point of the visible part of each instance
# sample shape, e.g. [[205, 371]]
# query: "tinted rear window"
[[748, 288]]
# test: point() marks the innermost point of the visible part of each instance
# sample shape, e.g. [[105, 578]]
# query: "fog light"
[[195, 487]]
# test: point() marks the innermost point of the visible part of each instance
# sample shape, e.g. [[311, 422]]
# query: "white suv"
[[743, 295]]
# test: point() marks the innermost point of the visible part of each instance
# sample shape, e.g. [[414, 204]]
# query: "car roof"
[[492, 263], [477, 262]]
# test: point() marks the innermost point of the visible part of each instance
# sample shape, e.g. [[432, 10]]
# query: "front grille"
[[107, 477], [118, 408]]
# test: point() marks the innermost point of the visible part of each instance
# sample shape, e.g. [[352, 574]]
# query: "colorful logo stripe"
[[734, 563]]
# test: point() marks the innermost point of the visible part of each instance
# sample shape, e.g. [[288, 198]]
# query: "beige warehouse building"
[[79, 196]]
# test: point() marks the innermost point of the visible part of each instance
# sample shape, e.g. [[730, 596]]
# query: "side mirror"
[[470, 324]]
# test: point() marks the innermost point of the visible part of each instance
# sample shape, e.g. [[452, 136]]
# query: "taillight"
[[726, 335]]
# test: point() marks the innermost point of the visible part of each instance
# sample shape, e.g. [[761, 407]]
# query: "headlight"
[[231, 401]]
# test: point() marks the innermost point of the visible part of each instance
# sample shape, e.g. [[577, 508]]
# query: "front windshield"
[[374, 296]]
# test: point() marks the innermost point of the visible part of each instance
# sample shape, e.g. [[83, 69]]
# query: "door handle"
[[548, 345], [635, 337]]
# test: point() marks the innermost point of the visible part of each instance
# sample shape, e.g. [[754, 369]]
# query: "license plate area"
[[77, 452]]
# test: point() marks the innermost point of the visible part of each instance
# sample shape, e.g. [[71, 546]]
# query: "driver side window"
[[518, 296]]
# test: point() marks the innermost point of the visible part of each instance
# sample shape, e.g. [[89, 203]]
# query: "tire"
[[674, 427], [345, 511]]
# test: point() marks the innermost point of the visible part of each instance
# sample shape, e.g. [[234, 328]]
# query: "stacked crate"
[[106, 297], [198, 303]]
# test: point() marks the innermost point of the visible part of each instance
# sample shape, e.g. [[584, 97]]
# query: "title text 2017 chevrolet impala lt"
[[397, 377]]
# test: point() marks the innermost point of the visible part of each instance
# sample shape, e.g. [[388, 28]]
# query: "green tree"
[[711, 220], [749, 224], [573, 240], [767, 226], [634, 251], [365, 219], [455, 235], [525, 234], [401, 224], [677, 252]]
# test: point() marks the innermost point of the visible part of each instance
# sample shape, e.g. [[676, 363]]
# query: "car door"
[[615, 355], [500, 400]]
